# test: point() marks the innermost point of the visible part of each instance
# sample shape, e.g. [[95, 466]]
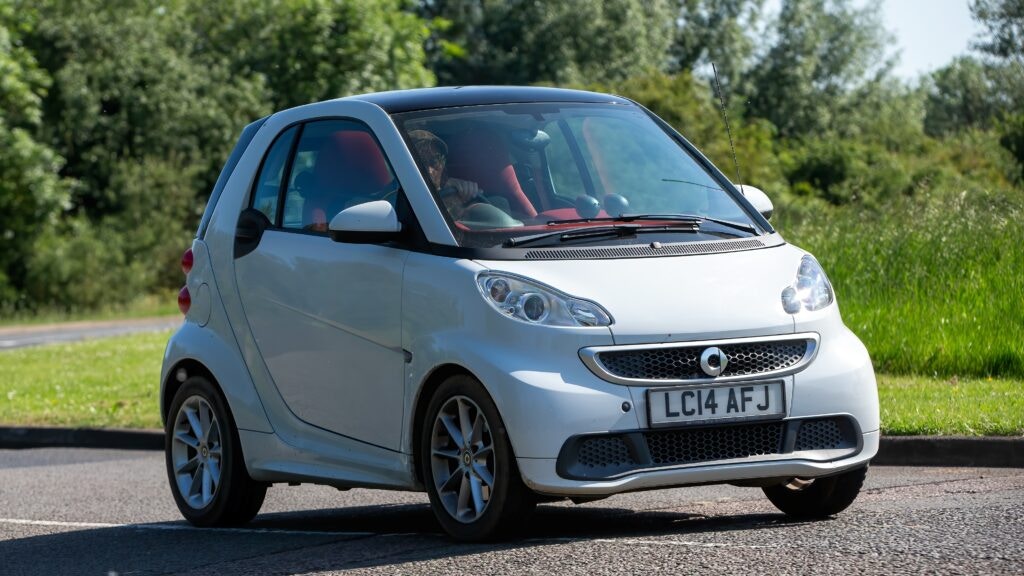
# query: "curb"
[[983, 452], [111, 438], [986, 452]]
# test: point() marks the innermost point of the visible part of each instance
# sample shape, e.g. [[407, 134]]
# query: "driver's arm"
[[465, 189]]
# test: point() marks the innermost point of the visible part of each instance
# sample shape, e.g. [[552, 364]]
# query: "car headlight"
[[811, 291], [532, 302]]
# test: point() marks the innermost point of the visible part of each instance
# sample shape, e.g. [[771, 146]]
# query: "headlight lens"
[[811, 291], [532, 302]]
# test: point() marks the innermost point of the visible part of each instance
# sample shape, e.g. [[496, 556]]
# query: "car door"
[[326, 316]]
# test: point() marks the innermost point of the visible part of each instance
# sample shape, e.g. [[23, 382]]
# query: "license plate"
[[695, 404]]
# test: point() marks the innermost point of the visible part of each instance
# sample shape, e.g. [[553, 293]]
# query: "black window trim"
[[244, 140], [286, 175]]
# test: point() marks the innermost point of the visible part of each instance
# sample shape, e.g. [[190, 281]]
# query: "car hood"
[[678, 298]]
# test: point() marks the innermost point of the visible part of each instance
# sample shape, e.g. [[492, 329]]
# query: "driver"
[[457, 194]]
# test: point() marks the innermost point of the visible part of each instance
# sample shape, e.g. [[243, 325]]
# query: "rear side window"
[[268, 185], [338, 163]]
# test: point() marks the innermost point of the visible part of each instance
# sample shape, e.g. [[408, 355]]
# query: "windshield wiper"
[[727, 223], [618, 231], [630, 218], [673, 217]]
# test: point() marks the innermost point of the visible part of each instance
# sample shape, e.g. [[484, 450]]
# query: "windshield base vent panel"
[[644, 250]]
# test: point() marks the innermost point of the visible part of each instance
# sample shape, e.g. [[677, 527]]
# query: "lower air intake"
[[707, 444]]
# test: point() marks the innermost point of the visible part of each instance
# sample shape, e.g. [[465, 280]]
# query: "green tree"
[[532, 41], [125, 86], [311, 50], [1004, 20], [963, 94], [31, 193], [719, 31], [826, 50]]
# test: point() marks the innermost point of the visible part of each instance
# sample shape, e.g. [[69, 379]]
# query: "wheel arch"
[[430, 384], [213, 353], [176, 377]]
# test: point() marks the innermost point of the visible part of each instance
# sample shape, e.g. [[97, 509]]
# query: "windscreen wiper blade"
[[619, 231], [631, 218], [727, 223], [673, 217]]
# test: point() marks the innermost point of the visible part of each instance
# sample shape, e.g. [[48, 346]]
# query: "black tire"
[[510, 502], [821, 498], [237, 497]]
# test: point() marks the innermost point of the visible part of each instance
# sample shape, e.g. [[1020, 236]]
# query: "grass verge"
[[916, 405], [114, 383], [105, 383]]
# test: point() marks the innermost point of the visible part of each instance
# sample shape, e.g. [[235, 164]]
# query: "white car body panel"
[[697, 297], [326, 318]]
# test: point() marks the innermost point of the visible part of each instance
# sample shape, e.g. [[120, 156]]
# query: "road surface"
[[76, 511], [22, 336]]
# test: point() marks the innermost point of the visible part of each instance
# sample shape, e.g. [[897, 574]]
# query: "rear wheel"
[[204, 460], [468, 466], [817, 497]]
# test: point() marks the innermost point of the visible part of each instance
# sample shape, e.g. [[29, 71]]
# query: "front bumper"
[[541, 475], [838, 386]]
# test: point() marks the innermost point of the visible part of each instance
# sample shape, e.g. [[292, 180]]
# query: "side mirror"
[[366, 223], [759, 199]]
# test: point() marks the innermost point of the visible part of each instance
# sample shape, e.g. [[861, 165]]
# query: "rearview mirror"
[[366, 223], [759, 199]]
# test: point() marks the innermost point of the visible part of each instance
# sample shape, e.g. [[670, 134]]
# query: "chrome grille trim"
[[592, 358]]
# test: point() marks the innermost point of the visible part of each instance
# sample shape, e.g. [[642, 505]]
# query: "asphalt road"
[[77, 511], [23, 336]]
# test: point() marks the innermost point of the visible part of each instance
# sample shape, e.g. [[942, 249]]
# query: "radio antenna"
[[728, 130]]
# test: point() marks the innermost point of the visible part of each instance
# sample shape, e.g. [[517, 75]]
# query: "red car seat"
[[481, 156], [349, 165]]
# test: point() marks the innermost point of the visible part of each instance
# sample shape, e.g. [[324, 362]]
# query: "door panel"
[[327, 319], [326, 316]]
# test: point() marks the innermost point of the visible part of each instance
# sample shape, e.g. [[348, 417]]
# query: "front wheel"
[[204, 459], [468, 466], [817, 497]]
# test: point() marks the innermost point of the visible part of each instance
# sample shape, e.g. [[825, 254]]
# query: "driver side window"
[[337, 164]]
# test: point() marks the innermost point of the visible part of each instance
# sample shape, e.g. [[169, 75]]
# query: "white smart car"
[[502, 296]]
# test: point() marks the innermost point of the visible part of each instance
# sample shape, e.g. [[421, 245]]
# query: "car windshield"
[[507, 172]]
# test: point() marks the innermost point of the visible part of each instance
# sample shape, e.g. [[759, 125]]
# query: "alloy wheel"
[[197, 452], [462, 459]]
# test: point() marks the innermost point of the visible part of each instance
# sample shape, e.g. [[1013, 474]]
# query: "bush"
[[1012, 139], [136, 250], [78, 265]]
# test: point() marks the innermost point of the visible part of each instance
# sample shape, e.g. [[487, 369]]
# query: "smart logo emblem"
[[713, 361]]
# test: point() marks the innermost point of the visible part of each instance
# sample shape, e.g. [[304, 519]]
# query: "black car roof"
[[426, 98]]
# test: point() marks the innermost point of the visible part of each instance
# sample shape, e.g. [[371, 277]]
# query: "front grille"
[[683, 362], [829, 434], [601, 456], [707, 444]]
